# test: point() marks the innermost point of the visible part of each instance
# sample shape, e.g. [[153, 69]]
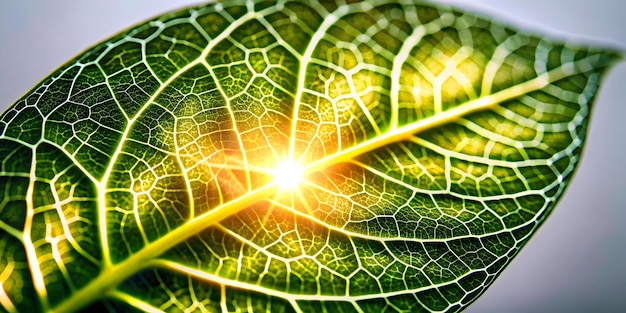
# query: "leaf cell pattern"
[[422, 146]]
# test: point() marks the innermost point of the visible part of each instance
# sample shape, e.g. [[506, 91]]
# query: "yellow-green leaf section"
[[290, 156]]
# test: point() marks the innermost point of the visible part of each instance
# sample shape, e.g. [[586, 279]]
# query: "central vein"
[[114, 275]]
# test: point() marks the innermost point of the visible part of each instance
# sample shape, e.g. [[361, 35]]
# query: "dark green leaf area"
[[112, 306], [64, 206], [15, 163], [25, 126], [17, 280], [155, 286]]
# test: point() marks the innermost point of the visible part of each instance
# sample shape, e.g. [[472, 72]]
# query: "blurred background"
[[576, 261]]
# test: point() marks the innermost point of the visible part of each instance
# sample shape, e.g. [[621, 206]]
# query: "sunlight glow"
[[288, 175]]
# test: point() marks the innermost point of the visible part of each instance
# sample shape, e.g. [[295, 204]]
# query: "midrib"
[[114, 275], [483, 103]]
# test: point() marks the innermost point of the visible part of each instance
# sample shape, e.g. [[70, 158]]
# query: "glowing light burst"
[[288, 175]]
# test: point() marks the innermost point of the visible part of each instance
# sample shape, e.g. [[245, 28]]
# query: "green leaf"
[[370, 156]]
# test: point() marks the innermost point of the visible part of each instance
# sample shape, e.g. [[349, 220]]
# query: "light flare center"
[[288, 175]]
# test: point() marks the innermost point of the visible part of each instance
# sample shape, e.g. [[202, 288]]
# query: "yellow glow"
[[288, 175]]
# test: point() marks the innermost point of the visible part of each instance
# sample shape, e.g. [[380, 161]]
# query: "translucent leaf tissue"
[[289, 156]]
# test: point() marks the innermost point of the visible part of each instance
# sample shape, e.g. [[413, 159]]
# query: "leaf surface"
[[422, 146]]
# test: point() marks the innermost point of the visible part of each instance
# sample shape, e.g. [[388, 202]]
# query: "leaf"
[[370, 156]]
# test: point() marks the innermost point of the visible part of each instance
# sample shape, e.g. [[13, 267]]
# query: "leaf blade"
[[143, 232]]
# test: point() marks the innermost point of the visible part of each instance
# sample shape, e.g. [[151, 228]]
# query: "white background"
[[575, 263]]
